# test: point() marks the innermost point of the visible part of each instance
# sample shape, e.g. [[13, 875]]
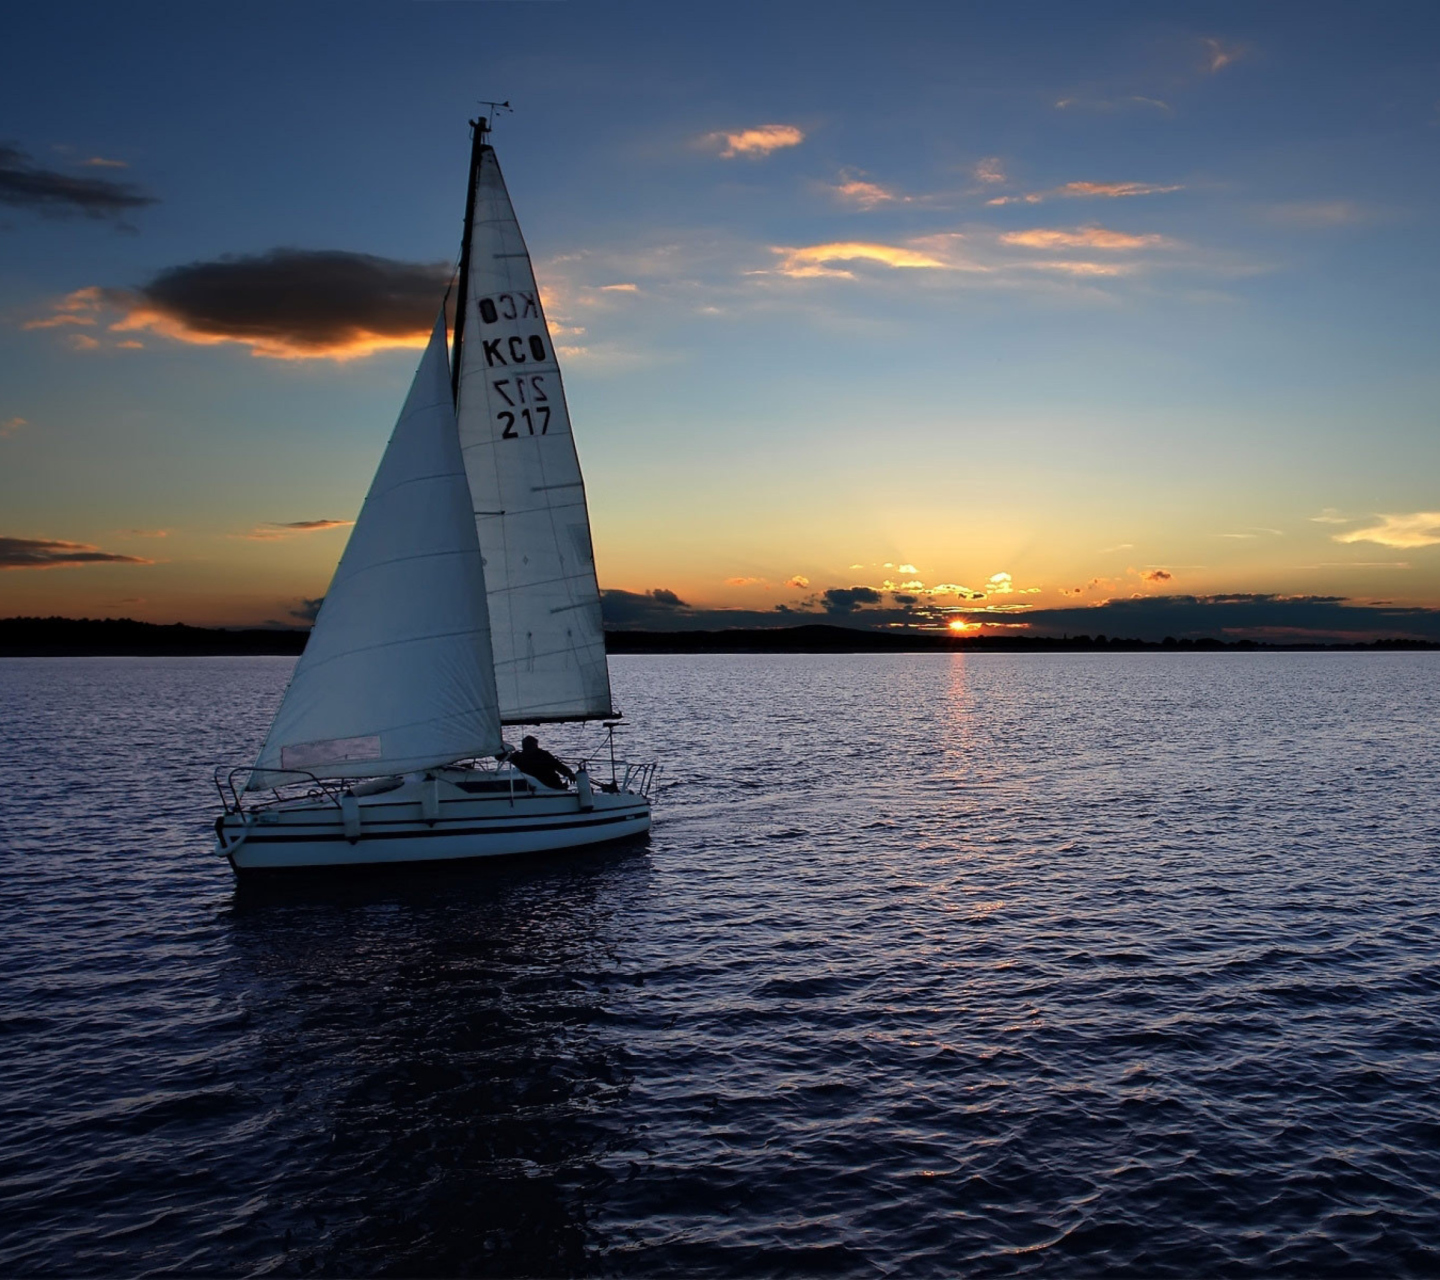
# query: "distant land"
[[123, 637]]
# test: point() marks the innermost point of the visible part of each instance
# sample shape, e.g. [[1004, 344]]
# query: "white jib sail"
[[397, 673], [529, 497]]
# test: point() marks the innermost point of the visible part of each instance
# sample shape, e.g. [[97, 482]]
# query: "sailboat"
[[465, 601]]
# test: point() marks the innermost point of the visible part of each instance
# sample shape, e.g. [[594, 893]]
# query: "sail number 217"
[[526, 395]]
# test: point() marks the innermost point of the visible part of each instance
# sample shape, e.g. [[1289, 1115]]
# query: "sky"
[[1104, 318]]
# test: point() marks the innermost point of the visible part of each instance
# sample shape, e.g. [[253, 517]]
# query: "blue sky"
[[1057, 304]]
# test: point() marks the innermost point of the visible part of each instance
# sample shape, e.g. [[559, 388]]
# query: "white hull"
[[405, 825]]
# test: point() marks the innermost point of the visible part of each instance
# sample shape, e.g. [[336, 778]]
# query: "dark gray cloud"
[[1274, 618], [848, 599], [50, 553], [307, 609], [657, 610], [26, 185], [297, 302]]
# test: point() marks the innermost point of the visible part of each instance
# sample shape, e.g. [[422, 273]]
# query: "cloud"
[[11, 426], [1090, 191], [845, 600], [147, 533], [51, 553], [1419, 529], [743, 582], [1274, 618], [1000, 584], [812, 260], [756, 142], [1112, 190], [26, 185], [83, 307], [289, 304], [989, 170], [1082, 238], [908, 568], [659, 608], [1331, 516], [308, 609], [799, 582], [1218, 54], [1157, 575], [274, 531], [1317, 214], [100, 162], [1113, 104], [857, 190]]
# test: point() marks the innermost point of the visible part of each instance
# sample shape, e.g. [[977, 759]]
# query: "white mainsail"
[[397, 673], [529, 498]]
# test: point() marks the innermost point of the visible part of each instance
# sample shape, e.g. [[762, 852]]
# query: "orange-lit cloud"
[[272, 532], [1082, 238], [1089, 190], [799, 582], [857, 190], [990, 170], [744, 582], [1418, 529], [12, 425], [620, 288], [147, 533], [813, 260], [1157, 575], [83, 307], [1114, 190], [758, 142]]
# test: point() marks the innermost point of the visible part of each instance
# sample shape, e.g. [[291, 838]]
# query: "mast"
[[479, 131]]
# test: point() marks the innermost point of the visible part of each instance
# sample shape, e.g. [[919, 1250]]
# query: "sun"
[[957, 625]]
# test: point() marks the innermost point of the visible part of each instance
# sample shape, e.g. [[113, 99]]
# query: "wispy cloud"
[[1125, 101], [102, 162], [288, 529], [147, 533], [856, 190], [814, 260], [1331, 515], [1418, 529], [1089, 191], [52, 553], [1219, 54], [756, 142], [11, 426], [1319, 213], [990, 171], [1082, 238], [618, 288]]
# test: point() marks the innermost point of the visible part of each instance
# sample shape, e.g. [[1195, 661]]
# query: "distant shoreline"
[[101, 638]]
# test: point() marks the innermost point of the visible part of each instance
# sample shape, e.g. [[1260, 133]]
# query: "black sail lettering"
[[517, 350], [492, 352], [529, 309], [537, 348], [487, 311], [507, 307]]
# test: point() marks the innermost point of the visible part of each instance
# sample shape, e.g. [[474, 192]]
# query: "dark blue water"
[[1054, 965]]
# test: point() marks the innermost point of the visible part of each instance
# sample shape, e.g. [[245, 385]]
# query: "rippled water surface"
[[994, 964]]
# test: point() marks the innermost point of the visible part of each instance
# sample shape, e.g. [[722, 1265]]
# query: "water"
[[1058, 965]]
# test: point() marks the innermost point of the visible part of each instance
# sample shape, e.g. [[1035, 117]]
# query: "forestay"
[[529, 498], [397, 673]]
